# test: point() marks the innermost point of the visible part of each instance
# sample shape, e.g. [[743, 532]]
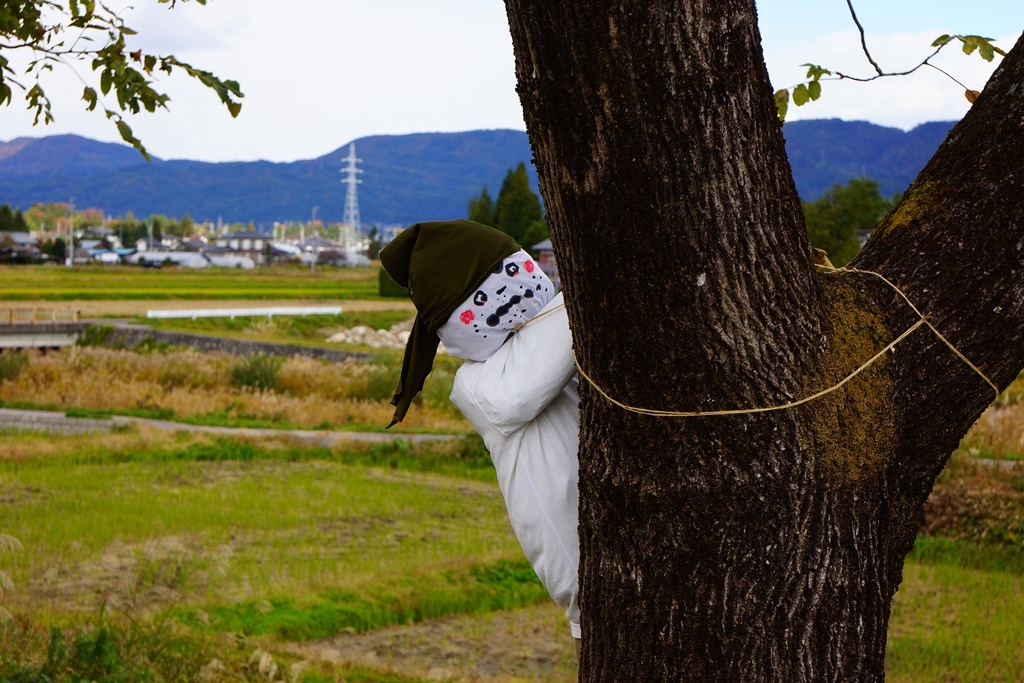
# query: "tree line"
[[837, 221]]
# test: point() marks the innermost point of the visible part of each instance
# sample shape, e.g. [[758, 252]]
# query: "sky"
[[317, 74]]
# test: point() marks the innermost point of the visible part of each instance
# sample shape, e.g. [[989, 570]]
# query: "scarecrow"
[[477, 292]]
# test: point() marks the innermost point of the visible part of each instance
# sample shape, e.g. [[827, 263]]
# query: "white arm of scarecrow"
[[524, 376]]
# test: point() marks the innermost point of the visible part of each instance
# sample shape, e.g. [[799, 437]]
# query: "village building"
[[249, 243]]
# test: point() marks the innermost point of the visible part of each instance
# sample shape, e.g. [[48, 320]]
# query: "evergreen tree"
[[481, 208], [6, 218], [835, 218], [517, 208], [517, 212], [57, 249]]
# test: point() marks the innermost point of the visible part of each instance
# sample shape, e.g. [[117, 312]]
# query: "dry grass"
[[310, 393], [999, 432], [528, 644]]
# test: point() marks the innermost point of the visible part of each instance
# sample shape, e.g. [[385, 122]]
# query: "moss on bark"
[[853, 427]]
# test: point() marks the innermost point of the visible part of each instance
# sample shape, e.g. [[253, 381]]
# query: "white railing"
[[244, 312]]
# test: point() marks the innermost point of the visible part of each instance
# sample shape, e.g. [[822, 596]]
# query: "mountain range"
[[405, 178]]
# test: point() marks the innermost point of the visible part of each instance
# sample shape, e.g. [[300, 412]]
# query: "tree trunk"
[[761, 546]]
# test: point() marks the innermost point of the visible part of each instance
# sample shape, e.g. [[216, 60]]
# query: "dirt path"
[[311, 437], [529, 644]]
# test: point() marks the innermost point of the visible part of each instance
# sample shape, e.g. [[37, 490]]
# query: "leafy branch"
[[810, 90], [88, 30]]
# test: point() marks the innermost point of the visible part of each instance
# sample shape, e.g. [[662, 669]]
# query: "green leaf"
[[944, 39], [815, 72], [105, 81], [90, 97], [814, 89], [801, 95], [126, 134], [782, 103]]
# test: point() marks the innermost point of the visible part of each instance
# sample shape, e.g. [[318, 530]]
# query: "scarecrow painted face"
[[515, 291]]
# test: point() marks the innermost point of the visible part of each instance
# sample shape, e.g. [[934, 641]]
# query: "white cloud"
[[318, 73], [902, 102]]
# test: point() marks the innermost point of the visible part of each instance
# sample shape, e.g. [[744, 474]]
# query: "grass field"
[[37, 283], [141, 555], [334, 556], [260, 540]]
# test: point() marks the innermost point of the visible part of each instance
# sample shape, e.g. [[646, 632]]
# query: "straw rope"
[[922, 321]]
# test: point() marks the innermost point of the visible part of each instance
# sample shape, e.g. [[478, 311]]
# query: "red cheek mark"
[[529, 266], [467, 317]]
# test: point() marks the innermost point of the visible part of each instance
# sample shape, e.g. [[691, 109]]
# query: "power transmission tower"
[[352, 196]]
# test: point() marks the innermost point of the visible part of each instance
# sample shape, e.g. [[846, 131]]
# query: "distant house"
[[194, 243], [146, 244], [247, 243], [546, 261], [19, 246]]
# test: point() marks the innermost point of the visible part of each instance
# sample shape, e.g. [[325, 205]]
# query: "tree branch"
[[863, 40]]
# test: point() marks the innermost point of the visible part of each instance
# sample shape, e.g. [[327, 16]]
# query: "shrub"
[[12, 364], [257, 372], [95, 335]]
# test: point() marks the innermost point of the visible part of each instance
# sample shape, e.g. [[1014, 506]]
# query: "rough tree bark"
[[767, 546]]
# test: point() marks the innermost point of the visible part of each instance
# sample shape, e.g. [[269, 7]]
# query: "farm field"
[[84, 283], [382, 563]]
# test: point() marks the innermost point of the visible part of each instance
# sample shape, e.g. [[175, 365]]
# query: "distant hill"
[[825, 152], [405, 177]]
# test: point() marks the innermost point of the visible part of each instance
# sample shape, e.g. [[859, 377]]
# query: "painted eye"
[[480, 298], [511, 269]]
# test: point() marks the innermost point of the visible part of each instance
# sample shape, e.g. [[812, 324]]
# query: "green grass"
[[500, 585], [464, 457], [105, 649], [987, 557], [36, 283], [120, 649], [290, 327], [243, 528], [954, 624], [265, 542]]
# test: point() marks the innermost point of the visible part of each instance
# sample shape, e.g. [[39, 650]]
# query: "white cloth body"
[[524, 403]]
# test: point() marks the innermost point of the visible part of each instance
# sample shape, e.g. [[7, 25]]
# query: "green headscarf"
[[441, 263]]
